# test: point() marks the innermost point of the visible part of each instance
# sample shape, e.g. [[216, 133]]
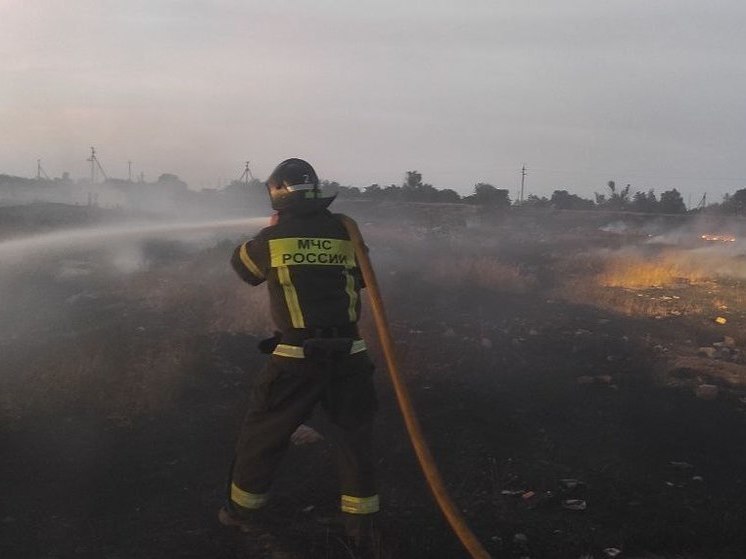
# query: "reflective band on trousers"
[[360, 505], [247, 500], [284, 350]]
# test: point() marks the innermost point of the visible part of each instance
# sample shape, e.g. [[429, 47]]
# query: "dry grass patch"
[[480, 271], [631, 270]]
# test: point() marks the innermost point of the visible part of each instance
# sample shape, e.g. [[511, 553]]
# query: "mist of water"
[[16, 250]]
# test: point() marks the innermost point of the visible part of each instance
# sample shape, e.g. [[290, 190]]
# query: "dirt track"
[[119, 415]]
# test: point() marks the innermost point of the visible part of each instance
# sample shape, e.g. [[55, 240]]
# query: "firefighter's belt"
[[326, 348], [349, 346]]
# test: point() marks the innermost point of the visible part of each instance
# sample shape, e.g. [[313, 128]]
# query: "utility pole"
[[703, 202], [523, 181], [246, 175], [40, 171], [95, 165], [92, 159]]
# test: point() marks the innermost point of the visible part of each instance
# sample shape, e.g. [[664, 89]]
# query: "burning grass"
[[635, 271]]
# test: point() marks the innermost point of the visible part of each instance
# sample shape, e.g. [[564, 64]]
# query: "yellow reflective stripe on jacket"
[[291, 297], [352, 294], [310, 251], [249, 263], [360, 505], [296, 352], [247, 500]]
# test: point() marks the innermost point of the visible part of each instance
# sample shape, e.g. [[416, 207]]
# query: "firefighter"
[[317, 355]]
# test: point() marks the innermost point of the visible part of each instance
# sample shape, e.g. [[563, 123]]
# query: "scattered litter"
[[707, 352], [612, 552], [721, 320], [707, 391], [604, 379], [512, 492], [681, 465], [520, 539], [309, 508], [569, 484], [697, 478], [528, 495], [574, 504]]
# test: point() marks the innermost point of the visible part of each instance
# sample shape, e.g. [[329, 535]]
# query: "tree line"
[[413, 189]]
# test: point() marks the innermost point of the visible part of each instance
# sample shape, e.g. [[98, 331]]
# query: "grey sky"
[[646, 92]]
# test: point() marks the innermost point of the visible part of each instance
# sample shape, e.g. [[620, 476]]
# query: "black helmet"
[[294, 186]]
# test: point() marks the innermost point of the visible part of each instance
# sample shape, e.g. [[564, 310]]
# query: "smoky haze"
[[647, 93]]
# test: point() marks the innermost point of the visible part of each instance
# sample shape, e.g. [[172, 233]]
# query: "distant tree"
[[414, 190], [617, 199], [735, 203], [447, 196], [563, 200], [413, 179], [672, 202], [487, 195], [645, 202], [373, 191], [172, 182], [349, 192], [533, 201]]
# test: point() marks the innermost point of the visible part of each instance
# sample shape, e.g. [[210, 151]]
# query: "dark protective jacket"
[[314, 282]]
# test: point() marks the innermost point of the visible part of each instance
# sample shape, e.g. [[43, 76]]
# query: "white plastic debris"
[[574, 504]]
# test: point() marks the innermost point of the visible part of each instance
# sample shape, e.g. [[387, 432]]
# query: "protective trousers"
[[282, 398]]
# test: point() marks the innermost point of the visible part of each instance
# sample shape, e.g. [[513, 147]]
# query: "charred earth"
[[557, 365]]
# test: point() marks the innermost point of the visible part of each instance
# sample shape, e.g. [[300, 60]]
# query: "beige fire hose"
[[427, 463]]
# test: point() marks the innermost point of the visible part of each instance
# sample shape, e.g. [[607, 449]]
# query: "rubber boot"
[[362, 530]]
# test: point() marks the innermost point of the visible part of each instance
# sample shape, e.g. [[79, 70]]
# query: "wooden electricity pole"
[[523, 181]]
